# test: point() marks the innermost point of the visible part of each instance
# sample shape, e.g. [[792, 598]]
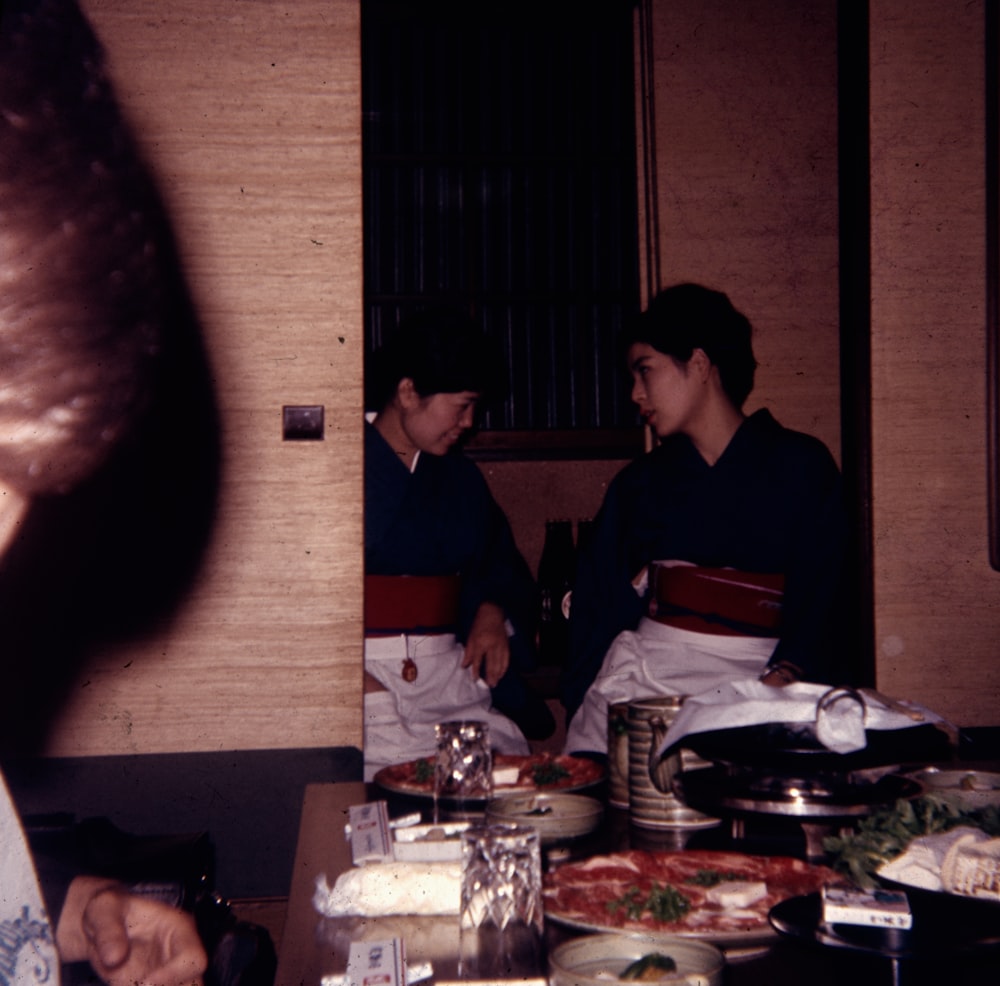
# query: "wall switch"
[[302, 422]]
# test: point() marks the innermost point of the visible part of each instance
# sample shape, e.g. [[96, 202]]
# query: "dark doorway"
[[500, 178]]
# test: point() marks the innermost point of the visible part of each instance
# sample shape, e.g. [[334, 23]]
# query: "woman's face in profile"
[[666, 392], [437, 422]]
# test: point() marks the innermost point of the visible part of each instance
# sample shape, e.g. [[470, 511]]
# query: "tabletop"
[[313, 946]]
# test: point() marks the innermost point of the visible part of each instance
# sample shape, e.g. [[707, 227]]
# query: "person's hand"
[[781, 674], [129, 940], [487, 651]]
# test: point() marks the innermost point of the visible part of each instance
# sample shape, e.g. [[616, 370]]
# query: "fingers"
[[489, 658], [105, 929], [487, 651], [137, 941], [780, 674], [497, 662], [473, 658]]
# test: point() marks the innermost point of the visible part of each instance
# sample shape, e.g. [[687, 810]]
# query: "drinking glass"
[[501, 904], [463, 771]]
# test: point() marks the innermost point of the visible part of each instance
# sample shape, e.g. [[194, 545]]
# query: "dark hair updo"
[[441, 350], [686, 317]]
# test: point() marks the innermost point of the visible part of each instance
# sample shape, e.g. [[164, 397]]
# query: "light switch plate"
[[302, 422]]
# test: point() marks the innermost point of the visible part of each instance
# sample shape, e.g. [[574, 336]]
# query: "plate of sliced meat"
[[718, 896], [511, 774]]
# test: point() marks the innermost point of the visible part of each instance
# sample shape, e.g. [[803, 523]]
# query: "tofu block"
[[737, 893], [505, 776]]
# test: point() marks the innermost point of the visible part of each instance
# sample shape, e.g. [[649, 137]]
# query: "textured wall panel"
[[250, 115]]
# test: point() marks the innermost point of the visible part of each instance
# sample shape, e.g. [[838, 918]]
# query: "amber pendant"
[[409, 670]]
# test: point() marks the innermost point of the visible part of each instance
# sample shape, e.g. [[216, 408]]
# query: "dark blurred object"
[[795, 747], [175, 869], [979, 743], [556, 572], [517, 699], [207, 791], [87, 255]]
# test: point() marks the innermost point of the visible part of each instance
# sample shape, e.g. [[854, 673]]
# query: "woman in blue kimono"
[[450, 603], [744, 518]]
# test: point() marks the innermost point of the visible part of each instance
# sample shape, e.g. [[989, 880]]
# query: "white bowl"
[[556, 816], [967, 789], [596, 960]]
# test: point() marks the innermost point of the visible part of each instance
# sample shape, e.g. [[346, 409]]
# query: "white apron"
[[399, 722], [656, 659]]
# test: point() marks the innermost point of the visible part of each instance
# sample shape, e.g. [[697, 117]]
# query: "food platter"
[[534, 773], [600, 894]]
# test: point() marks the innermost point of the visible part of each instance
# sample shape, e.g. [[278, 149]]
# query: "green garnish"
[[663, 903], [712, 878], [424, 770], [648, 968], [885, 834], [548, 772]]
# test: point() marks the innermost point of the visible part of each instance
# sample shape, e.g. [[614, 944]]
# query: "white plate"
[[968, 789]]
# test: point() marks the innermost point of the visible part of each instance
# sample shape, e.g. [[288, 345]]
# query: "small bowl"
[[555, 816], [967, 789], [596, 960]]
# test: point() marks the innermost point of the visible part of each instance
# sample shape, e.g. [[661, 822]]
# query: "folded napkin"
[[840, 722], [964, 860], [391, 888]]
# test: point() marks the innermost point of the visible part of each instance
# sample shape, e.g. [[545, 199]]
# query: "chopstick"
[[892, 705]]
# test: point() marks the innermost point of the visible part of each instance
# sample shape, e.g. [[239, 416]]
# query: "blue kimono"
[[772, 503], [441, 519]]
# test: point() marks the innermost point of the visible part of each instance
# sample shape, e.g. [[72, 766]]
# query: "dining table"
[[314, 948]]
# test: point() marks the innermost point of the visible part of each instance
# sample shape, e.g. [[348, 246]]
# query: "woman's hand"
[[487, 651], [781, 674], [129, 940]]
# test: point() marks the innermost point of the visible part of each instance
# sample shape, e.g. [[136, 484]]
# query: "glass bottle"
[[556, 571]]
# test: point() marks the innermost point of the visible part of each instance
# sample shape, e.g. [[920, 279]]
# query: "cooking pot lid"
[[795, 746]]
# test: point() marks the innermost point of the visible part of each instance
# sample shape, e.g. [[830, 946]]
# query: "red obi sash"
[[411, 603], [717, 600]]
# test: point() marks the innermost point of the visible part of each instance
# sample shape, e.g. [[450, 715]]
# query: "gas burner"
[[717, 789], [768, 786]]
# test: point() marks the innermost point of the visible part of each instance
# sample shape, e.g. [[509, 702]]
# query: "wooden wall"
[[250, 114], [937, 599]]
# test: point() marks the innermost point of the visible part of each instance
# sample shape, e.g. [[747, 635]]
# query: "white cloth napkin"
[[840, 721], [840, 726]]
